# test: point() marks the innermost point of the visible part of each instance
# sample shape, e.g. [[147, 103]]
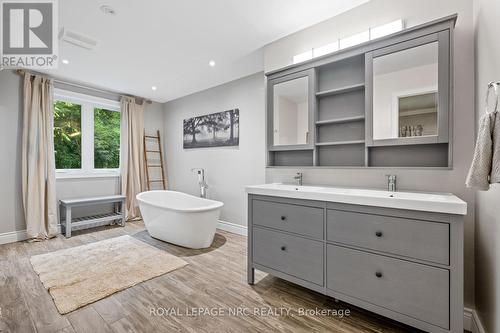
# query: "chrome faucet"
[[391, 183], [201, 181], [298, 178]]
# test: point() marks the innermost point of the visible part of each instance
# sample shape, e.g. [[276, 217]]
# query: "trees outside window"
[[106, 139], [68, 135], [86, 135]]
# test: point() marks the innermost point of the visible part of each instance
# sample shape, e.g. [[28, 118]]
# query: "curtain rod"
[[22, 71]]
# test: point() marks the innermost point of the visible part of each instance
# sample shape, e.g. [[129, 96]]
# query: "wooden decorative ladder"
[[147, 160]]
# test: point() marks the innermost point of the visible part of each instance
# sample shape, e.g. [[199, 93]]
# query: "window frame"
[[88, 104]]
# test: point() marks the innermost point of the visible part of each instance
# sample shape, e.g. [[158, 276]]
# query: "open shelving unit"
[[340, 98], [339, 127], [340, 118]]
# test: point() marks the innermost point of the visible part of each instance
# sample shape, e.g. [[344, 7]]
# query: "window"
[[365, 36], [106, 139], [68, 135], [86, 135]]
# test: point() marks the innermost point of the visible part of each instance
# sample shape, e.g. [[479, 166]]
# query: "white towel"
[[485, 168]]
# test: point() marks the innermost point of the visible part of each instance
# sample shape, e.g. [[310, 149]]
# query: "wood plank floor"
[[214, 279]]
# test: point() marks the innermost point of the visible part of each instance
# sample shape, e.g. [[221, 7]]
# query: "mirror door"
[[409, 92], [291, 111]]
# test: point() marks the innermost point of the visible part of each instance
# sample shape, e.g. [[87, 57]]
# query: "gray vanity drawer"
[[303, 220], [297, 256], [429, 241], [417, 290]]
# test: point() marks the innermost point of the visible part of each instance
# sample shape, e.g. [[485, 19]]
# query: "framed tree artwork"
[[220, 129]]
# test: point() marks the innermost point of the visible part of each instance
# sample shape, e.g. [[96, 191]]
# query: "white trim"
[[18, 236], [472, 322], [109, 173], [13, 236], [477, 326], [21, 235], [233, 228], [467, 319]]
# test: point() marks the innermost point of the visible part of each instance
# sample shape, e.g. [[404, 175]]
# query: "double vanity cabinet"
[[397, 254]]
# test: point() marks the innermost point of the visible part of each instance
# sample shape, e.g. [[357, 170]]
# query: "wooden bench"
[[85, 222]]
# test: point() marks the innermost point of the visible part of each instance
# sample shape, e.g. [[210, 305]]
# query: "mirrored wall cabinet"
[[383, 103], [290, 120]]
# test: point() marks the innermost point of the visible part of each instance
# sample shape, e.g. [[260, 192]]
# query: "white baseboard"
[[233, 228], [13, 236], [477, 326], [18, 236], [472, 322], [21, 235], [468, 319]]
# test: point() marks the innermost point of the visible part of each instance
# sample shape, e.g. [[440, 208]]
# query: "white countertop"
[[429, 202]]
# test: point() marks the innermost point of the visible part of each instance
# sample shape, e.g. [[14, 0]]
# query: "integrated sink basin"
[[430, 202]]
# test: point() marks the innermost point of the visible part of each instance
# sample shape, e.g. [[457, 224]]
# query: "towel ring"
[[493, 85]]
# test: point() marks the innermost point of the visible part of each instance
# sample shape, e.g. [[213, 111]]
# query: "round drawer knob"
[[283, 248], [283, 218], [378, 274], [378, 233]]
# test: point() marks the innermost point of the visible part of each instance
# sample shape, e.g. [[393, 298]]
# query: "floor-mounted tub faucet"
[[298, 178], [391, 183], [201, 181]]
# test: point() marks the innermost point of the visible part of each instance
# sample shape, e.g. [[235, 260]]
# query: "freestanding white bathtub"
[[180, 218]]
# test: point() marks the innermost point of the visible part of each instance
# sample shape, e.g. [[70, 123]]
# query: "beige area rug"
[[84, 274]]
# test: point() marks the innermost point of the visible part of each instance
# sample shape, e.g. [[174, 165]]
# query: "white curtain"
[[38, 161], [132, 154]]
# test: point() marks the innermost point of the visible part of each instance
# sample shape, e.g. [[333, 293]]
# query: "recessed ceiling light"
[[211, 63], [65, 61], [107, 10], [154, 87]]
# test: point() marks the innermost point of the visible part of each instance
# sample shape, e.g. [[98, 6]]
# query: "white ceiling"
[[168, 44]]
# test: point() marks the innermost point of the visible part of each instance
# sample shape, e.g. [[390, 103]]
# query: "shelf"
[[340, 120], [81, 222], [340, 90], [291, 147], [291, 158], [342, 155], [411, 113], [341, 143]]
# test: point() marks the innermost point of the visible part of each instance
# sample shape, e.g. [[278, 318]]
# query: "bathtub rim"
[[216, 204]]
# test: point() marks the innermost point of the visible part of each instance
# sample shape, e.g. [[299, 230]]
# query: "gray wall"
[[12, 217], [487, 13], [228, 169], [377, 12]]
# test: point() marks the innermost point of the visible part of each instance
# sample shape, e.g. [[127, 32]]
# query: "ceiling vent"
[[77, 39]]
